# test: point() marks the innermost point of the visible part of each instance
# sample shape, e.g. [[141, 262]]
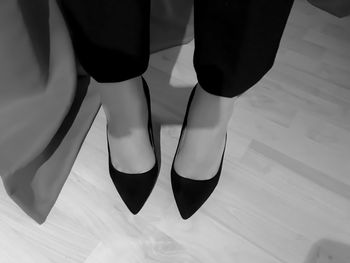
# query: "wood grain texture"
[[284, 193]]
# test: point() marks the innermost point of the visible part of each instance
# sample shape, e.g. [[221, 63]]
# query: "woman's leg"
[[125, 106], [111, 40], [236, 42]]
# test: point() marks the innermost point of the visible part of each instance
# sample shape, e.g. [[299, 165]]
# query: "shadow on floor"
[[329, 251]]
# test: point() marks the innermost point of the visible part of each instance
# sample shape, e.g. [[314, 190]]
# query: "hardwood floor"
[[284, 192]]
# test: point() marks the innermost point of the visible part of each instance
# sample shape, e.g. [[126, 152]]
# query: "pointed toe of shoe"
[[135, 189], [190, 194]]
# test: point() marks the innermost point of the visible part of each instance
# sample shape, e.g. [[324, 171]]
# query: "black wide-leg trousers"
[[236, 41]]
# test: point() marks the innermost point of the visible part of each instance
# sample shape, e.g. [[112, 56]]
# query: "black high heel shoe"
[[135, 189], [191, 194]]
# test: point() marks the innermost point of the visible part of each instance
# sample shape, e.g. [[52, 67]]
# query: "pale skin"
[[202, 143]]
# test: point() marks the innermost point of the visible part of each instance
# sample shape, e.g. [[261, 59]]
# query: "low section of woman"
[[236, 42]]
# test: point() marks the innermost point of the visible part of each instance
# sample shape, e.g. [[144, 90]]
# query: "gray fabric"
[[46, 111]]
